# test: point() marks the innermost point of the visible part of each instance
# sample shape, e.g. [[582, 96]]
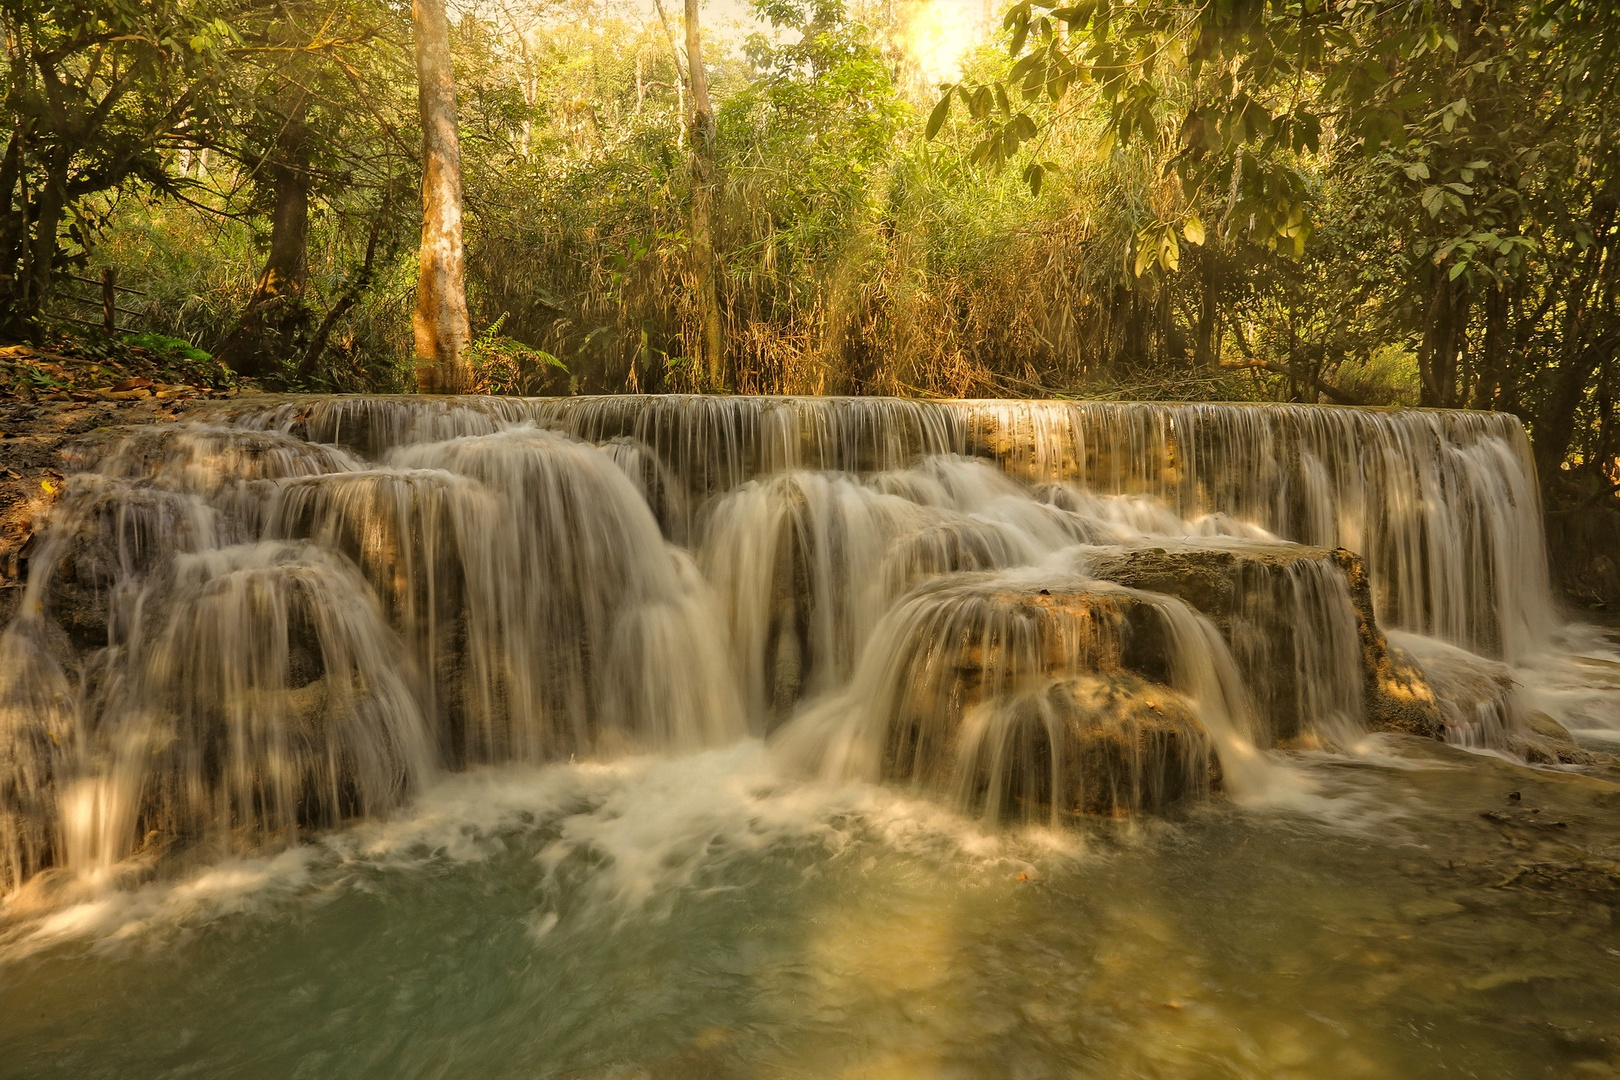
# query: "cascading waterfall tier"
[[1442, 505], [284, 615]]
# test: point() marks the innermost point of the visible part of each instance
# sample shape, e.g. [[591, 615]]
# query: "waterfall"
[[275, 618]]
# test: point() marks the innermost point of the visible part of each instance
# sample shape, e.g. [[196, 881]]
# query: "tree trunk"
[[1207, 354], [1444, 338], [1588, 339], [274, 321], [48, 210], [361, 281], [440, 322], [705, 185], [13, 235], [1493, 364], [1555, 422]]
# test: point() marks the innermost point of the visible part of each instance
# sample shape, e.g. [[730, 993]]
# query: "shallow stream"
[[702, 917]]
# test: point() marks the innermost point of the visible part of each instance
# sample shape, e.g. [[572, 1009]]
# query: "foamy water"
[[665, 916]]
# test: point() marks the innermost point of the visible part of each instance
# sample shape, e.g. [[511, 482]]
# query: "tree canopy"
[[1405, 202]]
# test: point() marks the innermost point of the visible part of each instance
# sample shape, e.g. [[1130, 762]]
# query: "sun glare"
[[937, 35]]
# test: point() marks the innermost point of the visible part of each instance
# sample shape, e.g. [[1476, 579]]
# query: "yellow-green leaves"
[[1157, 246]]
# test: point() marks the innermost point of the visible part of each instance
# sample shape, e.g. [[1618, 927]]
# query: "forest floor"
[[68, 368]]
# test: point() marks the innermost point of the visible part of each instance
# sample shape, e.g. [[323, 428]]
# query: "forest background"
[[1396, 203]]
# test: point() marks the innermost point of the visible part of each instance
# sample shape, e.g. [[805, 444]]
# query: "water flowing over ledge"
[[1442, 505], [293, 614]]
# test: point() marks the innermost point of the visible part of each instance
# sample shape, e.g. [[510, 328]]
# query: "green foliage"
[[1387, 376], [167, 347], [95, 93], [1387, 205], [504, 366]]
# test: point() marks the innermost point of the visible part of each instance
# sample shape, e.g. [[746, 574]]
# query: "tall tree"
[[97, 94], [705, 196], [440, 323], [275, 316]]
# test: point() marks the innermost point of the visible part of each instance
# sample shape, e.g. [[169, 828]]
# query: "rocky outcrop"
[[964, 642], [1285, 611], [41, 442], [1398, 696], [1033, 703], [1102, 744]]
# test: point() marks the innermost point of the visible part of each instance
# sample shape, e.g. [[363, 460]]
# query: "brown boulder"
[[1278, 608], [1112, 745]]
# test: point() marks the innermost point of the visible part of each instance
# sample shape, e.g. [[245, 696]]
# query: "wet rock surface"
[[1251, 594], [1035, 704], [1112, 745], [1544, 741], [41, 442], [1032, 685]]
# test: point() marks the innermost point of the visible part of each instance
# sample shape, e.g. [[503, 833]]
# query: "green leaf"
[[1193, 230], [936, 119], [593, 335], [1169, 250], [1020, 31], [1034, 176], [1457, 270]]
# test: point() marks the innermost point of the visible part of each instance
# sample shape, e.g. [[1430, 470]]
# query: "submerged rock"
[[1541, 740], [1035, 701], [1109, 744]]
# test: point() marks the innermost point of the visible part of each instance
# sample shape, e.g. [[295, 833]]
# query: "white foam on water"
[[650, 827], [111, 915], [1577, 682], [632, 836]]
